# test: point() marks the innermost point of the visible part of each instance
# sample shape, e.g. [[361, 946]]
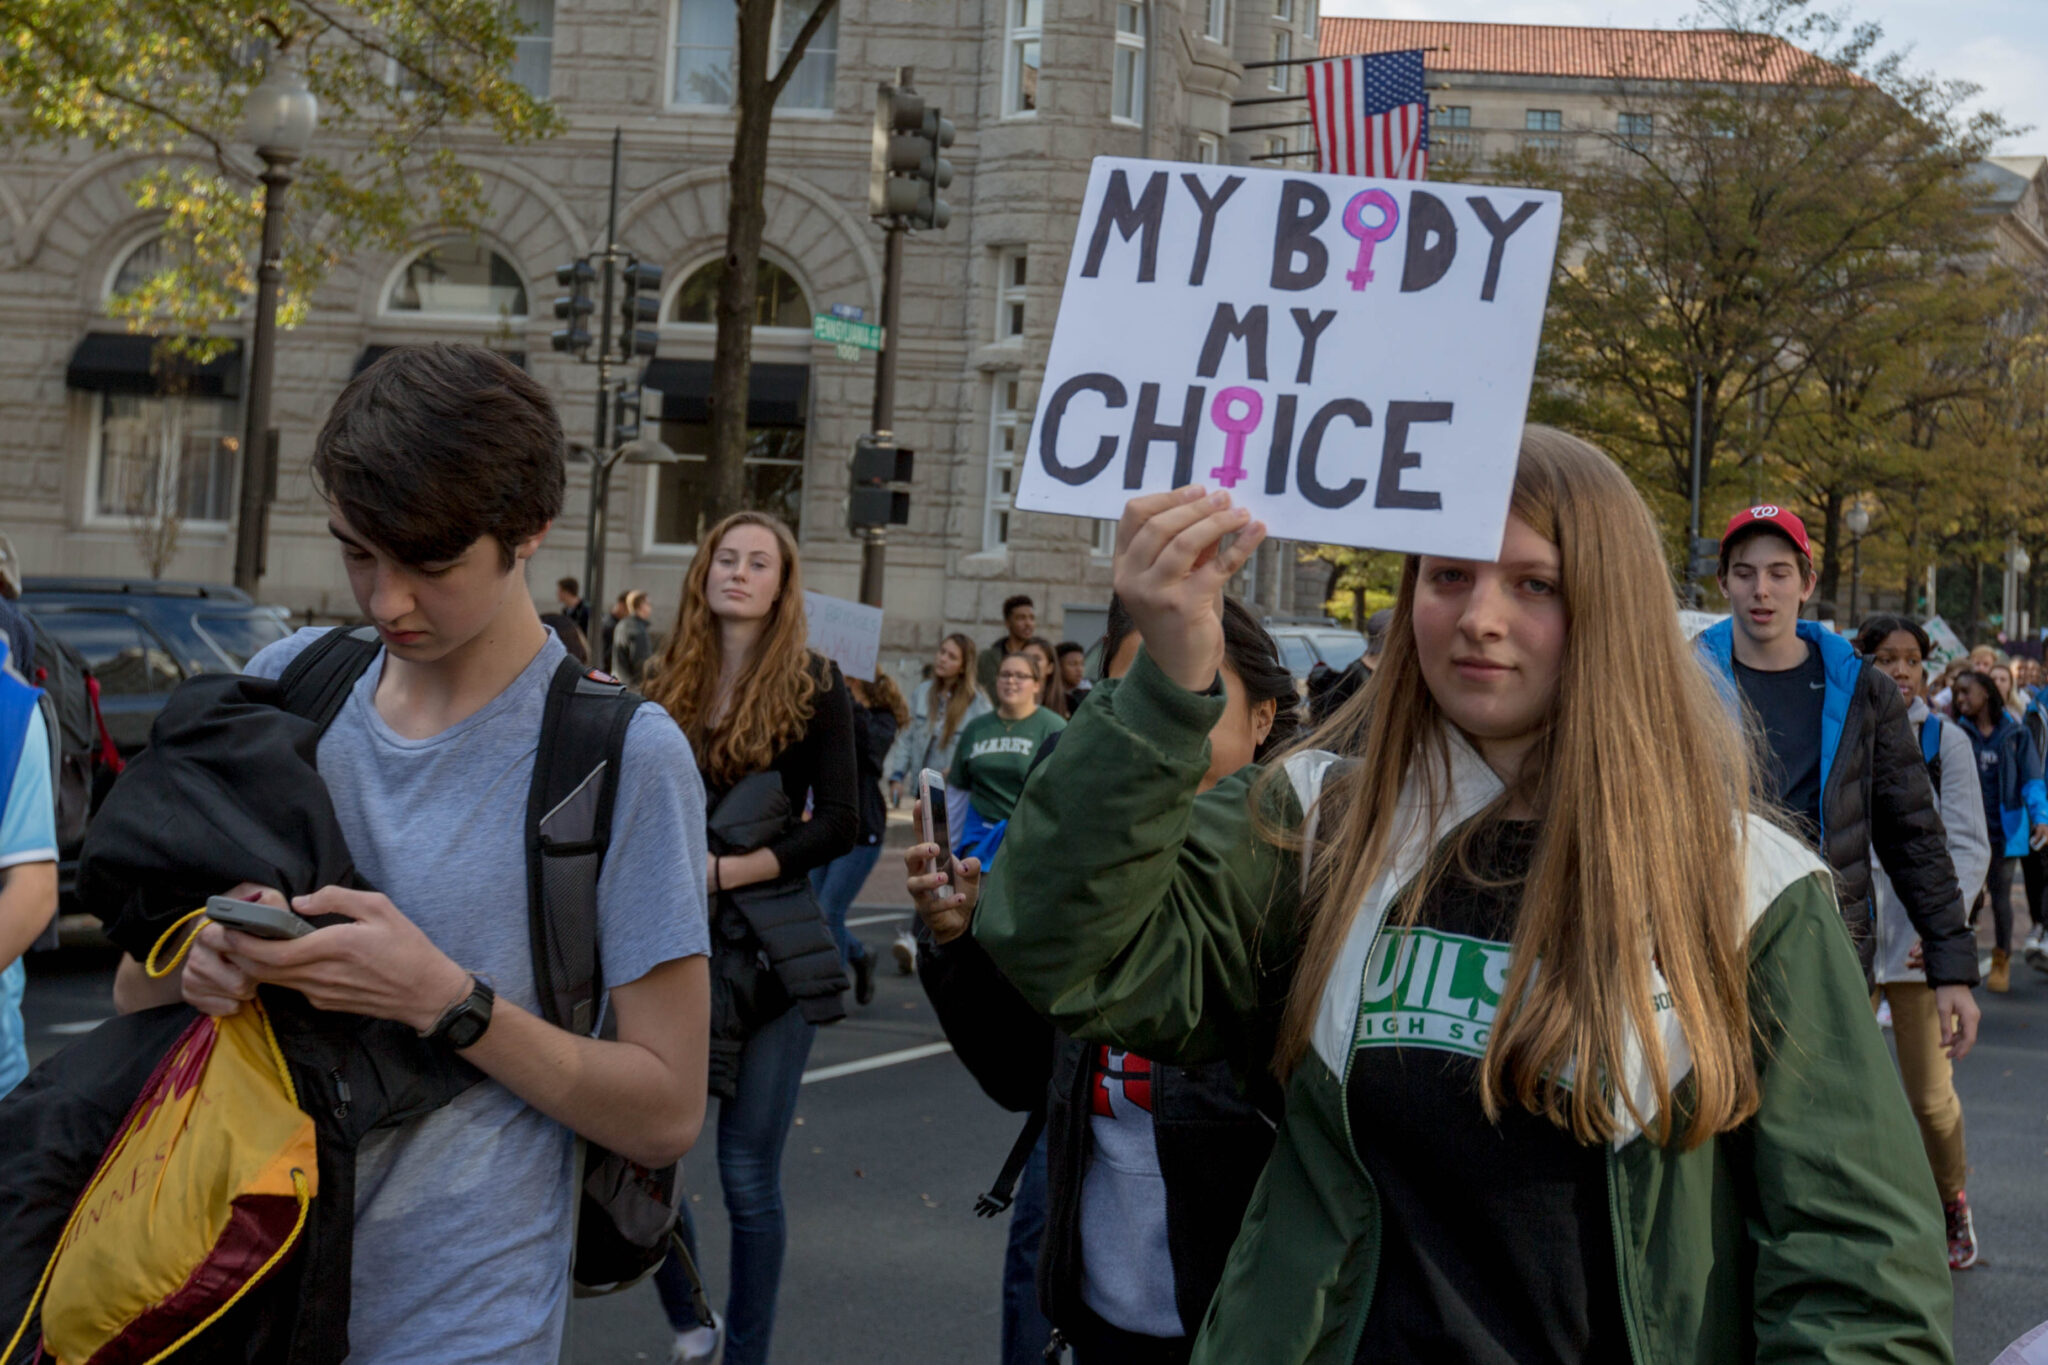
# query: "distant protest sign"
[[1350, 358], [847, 633]]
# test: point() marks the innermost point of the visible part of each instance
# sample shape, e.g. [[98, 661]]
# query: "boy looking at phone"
[[442, 468]]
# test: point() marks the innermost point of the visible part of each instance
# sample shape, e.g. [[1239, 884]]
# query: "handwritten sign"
[[1350, 358], [847, 633]]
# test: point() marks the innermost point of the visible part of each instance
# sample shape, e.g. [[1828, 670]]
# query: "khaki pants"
[[1930, 1082]]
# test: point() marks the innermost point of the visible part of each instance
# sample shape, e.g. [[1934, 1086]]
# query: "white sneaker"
[[905, 949], [1884, 1014], [700, 1345]]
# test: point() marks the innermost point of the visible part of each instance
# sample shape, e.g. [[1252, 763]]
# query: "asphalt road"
[[887, 1263]]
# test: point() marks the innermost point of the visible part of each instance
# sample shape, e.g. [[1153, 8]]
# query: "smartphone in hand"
[[256, 918], [931, 790]]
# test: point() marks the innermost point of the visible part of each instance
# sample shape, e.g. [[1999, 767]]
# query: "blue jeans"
[[752, 1127], [1025, 1329], [836, 884]]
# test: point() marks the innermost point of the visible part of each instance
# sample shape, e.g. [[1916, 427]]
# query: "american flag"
[[1371, 115]]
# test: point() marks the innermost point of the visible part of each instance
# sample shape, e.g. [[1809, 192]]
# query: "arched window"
[[144, 261], [778, 300], [461, 278]]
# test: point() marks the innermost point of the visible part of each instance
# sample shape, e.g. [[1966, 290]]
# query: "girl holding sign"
[[1579, 1065]]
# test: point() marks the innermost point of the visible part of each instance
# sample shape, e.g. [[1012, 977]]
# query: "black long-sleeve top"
[[818, 764]]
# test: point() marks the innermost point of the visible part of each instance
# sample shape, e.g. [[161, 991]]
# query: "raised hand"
[[1171, 567]]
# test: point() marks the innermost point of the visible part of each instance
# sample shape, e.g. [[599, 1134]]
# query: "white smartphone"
[[931, 789], [256, 918]]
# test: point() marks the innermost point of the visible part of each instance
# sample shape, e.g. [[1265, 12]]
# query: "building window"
[[1451, 116], [1283, 9], [773, 469], [1005, 439], [1105, 538], [1021, 57], [164, 457], [1011, 270], [1216, 21], [1208, 149], [1455, 143], [1310, 19], [812, 85], [705, 40], [1276, 147], [458, 279], [1635, 130], [143, 263], [1549, 147], [533, 49], [703, 62], [1283, 51], [1543, 120], [1127, 82], [778, 299]]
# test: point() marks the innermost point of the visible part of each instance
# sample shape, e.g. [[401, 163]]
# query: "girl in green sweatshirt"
[[1578, 1057]]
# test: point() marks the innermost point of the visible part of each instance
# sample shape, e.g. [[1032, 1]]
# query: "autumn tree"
[[401, 84], [1759, 244], [746, 219]]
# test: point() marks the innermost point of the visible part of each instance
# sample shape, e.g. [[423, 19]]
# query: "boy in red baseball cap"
[[1840, 757]]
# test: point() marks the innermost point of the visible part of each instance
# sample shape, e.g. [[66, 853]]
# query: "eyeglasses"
[[1015, 677]]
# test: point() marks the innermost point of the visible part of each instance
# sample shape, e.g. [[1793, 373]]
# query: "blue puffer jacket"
[[2015, 797]]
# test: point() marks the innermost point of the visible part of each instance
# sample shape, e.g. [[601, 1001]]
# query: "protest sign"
[[847, 633], [1350, 358]]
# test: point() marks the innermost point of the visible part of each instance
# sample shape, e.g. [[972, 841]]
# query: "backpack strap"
[[318, 681], [1930, 738], [568, 827]]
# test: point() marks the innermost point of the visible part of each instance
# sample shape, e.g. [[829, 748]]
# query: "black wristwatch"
[[463, 1022]]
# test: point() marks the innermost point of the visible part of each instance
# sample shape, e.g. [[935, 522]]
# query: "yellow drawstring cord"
[[149, 963], [299, 1184]]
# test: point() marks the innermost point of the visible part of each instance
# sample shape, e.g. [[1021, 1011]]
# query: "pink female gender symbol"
[[1360, 275], [1231, 472]]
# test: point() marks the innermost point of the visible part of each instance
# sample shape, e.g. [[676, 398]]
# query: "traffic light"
[[899, 148], [1706, 558], [626, 412], [639, 308], [935, 171], [574, 307], [870, 502]]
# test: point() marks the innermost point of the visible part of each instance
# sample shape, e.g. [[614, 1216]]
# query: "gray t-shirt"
[[463, 1216]]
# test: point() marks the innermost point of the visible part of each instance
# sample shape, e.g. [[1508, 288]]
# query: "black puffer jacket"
[[1875, 794]]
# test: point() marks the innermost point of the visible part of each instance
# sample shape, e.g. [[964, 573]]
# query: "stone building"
[[92, 449]]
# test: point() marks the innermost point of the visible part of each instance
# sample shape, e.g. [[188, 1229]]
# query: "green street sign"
[[845, 332]]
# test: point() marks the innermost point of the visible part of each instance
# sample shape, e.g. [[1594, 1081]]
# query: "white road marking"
[[909, 1054], [897, 918]]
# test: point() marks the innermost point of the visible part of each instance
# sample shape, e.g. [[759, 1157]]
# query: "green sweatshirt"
[[1150, 918], [994, 755]]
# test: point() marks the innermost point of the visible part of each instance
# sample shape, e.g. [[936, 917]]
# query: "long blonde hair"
[[1644, 782], [773, 696], [962, 693]]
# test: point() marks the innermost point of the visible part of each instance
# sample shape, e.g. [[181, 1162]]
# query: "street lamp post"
[[647, 450], [281, 113], [1858, 521]]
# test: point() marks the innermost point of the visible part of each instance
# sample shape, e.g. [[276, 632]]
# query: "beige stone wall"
[[65, 221]]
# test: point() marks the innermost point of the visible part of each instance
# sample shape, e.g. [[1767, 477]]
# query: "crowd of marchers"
[[1514, 997]]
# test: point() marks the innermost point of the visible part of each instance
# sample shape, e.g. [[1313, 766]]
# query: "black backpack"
[[626, 1211], [83, 759]]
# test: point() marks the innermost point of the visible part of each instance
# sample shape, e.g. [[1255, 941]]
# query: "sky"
[[2001, 45]]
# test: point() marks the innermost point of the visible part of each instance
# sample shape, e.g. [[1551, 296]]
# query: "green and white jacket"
[[1147, 917]]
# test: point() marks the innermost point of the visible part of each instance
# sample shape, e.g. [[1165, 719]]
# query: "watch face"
[[468, 1026]]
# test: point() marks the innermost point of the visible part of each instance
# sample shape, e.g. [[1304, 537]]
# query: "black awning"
[[371, 355], [776, 394], [125, 362]]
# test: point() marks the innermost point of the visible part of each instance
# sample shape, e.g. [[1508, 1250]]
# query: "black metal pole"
[[1855, 576], [250, 520], [601, 443], [874, 544]]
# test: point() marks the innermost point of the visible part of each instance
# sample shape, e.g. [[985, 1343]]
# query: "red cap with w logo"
[[1778, 519]]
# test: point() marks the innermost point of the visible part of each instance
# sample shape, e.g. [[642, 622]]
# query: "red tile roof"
[[1556, 50]]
